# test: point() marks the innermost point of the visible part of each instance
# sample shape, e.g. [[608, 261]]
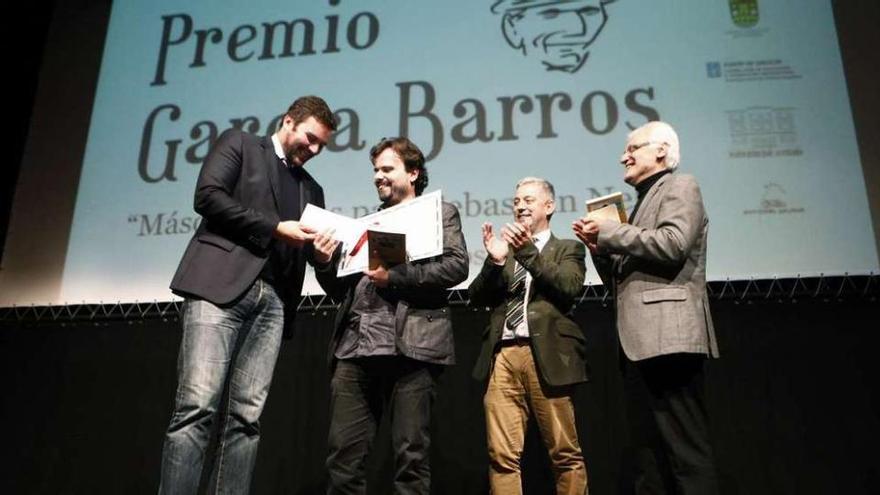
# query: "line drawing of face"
[[558, 32]]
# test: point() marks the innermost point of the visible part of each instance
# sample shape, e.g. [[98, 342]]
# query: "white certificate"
[[420, 219]]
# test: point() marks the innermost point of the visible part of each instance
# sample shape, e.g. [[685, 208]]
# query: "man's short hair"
[[545, 185], [311, 106], [409, 153], [663, 133]]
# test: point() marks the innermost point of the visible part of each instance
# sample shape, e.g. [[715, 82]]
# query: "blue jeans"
[[237, 345]]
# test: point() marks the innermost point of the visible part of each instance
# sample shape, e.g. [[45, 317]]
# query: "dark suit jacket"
[[423, 326], [657, 268], [237, 196], [557, 342]]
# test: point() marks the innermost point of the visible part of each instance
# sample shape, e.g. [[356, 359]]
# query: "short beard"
[[394, 192]]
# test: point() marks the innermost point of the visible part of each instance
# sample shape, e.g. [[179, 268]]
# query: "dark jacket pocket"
[[216, 240], [430, 331]]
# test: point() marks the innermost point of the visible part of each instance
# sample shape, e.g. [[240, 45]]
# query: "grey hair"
[[547, 186], [661, 132]]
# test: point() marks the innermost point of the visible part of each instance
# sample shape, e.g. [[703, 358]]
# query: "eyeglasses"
[[633, 147]]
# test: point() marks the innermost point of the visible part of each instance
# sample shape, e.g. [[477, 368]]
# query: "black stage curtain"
[[793, 403]]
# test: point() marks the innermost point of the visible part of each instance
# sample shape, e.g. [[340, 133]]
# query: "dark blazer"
[[237, 196], [423, 326], [657, 268], [557, 342]]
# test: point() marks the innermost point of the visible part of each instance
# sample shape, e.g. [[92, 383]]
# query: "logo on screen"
[[558, 33], [774, 201], [763, 132], [774, 196], [744, 13], [713, 70]]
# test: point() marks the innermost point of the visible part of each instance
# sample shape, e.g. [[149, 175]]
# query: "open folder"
[[407, 231]]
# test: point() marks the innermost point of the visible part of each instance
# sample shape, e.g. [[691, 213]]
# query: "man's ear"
[[514, 39], [288, 121], [662, 151], [551, 207]]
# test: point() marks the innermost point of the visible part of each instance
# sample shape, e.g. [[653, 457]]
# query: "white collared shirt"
[[279, 151]]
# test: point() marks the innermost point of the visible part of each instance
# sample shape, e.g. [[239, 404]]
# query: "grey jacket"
[[656, 266], [423, 325]]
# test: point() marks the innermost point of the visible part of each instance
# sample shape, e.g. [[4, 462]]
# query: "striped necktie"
[[516, 300]]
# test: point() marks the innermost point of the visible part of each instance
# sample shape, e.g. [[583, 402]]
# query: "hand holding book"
[[609, 207]]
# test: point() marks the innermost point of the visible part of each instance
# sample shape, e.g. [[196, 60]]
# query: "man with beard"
[[392, 337], [241, 276], [559, 32], [532, 354]]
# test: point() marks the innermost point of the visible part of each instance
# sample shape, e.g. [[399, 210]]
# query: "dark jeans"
[[362, 390], [237, 344], [671, 451]]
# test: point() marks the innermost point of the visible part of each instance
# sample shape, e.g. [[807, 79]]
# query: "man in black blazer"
[[241, 276], [393, 335], [533, 354]]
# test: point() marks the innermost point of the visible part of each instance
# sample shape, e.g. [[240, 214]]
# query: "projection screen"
[[492, 91]]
